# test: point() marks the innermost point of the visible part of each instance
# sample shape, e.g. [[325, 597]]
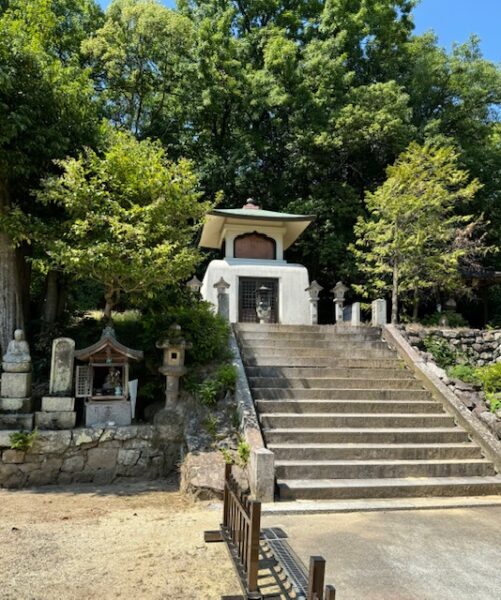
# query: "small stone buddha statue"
[[17, 359]]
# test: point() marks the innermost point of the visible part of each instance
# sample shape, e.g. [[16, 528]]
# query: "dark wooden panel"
[[254, 245]]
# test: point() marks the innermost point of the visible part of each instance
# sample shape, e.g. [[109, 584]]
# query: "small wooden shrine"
[[105, 377]]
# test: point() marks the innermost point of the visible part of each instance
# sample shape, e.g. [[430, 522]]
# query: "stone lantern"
[[263, 304], [314, 290], [194, 285], [174, 349], [339, 290]]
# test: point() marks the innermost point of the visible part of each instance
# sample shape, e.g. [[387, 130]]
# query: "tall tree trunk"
[[11, 309], [415, 305], [111, 300], [50, 308], [394, 295]]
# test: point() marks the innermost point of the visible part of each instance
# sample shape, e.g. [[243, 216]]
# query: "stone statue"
[[17, 359], [112, 380]]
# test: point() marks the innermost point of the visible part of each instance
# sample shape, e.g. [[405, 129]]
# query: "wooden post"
[[253, 548], [330, 592], [227, 474], [316, 578]]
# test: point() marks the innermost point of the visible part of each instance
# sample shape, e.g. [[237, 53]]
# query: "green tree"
[[413, 238], [141, 67], [46, 111], [131, 216]]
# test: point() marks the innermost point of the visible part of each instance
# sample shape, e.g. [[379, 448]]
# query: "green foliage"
[[490, 377], [454, 319], [441, 351], [23, 440], [243, 452], [130, 217], [227, 376], [412, 241], [494, 402], [464, 372], [227, 455], [210, 425], [208, 392], [207, 332]]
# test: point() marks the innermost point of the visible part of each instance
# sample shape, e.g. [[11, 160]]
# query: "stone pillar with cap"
[[15, 390], [223, 299], [174, 352], [314, 290], [339, 290]]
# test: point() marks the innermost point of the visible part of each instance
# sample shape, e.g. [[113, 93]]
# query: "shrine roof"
[[253, 216], [108, 341]]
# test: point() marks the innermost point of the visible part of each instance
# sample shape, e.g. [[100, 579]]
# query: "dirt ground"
[[134, 541]]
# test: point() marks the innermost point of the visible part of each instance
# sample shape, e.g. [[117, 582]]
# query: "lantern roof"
[[253, 216], [108, 344]]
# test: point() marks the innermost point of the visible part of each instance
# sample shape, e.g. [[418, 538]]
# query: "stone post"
[[58, 408], [223, 299], [339, 290], [379, 313], [173, 368], [314, 290], [355, 314]]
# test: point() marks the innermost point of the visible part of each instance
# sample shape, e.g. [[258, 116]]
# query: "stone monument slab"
[[58, 403], [55, 420], [61, 368], [101, 413]]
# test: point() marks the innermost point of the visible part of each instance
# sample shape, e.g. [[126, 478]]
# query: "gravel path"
[[135, 541]]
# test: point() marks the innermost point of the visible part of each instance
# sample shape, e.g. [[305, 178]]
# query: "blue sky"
[[453, 21]]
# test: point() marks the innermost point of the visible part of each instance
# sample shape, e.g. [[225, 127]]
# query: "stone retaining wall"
[[481, 347], [85, 455]]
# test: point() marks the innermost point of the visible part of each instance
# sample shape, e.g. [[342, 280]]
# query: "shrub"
[[227, 376], [490, 377], [210, 424], [466, 373], [207, 392], [454, 319], [494, 402], [442, 353], [243, 451], [23, 440]]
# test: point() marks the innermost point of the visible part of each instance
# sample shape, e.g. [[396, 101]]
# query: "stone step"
[[349, 406], [388, 488], [284, 337], [331, 353], [333, 383], [368, 421], [322, 361], [334, 346], [378, 469], [16, 421], [365, 451], [279, 328], [338, 394], [328, 373], [353, 435]]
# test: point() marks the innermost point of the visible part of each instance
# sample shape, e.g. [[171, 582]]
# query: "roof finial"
[[250, 205]]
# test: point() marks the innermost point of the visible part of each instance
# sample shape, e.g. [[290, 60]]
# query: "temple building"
[[253, 242]]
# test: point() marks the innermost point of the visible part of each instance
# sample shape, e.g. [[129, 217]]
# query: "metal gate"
[[247, 288]]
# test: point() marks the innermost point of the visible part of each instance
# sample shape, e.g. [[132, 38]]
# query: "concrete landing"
[[311, 507], [413, 555]]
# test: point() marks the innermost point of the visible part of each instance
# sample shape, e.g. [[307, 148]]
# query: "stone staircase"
[[346, 419]]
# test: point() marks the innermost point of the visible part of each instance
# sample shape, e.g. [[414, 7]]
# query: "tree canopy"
[[300, 104]]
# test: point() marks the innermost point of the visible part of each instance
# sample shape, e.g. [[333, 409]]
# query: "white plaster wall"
[[293, 300]]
